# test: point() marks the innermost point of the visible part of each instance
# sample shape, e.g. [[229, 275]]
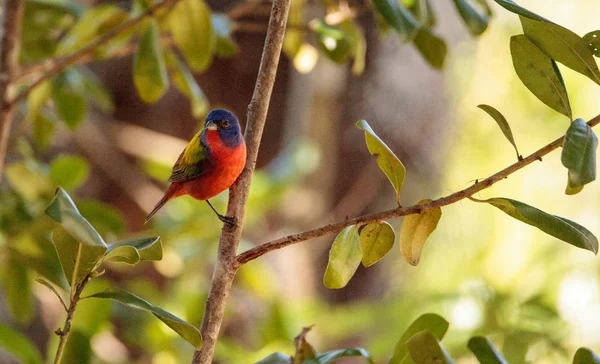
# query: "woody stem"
[[227, 265]]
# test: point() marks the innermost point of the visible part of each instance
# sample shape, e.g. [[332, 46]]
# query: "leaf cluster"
[[420, 343]]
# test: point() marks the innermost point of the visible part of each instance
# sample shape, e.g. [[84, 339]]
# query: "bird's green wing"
[[192, 162]]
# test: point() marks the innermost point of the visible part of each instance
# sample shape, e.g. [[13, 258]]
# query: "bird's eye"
[[225, 124]]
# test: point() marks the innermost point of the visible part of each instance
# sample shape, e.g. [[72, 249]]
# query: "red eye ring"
[[225, 124]]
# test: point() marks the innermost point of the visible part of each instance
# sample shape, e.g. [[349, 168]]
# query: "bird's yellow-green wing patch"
[[192, 162]]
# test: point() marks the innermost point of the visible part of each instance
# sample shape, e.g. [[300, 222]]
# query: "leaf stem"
[[53, 290], [335, 227], [64, 332]]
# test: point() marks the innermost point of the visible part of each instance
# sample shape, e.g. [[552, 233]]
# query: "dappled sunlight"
[[362, 122]]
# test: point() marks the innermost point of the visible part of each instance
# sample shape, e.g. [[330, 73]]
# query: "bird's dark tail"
[[169, 194]]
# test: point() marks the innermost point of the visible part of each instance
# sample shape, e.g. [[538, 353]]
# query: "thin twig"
[[237, 12], [58, 65], [226, 265], [263, 249], [11, 16], [49, 64], [64, 332]]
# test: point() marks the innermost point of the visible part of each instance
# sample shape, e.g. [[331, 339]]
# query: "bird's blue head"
[[227, 125]]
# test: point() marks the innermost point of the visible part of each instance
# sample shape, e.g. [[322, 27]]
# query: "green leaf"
[[63, 210], [559, 227], [431, 47], [294, 38], [149, 69], [415, 230], [185, 82], [579, 155], [69, 171], [193, 32], [502, 123], [476, 18], [77, 259], [584, 356], [330, 356], [79, 246], [223, 28], [19, 346], [425, 348], [95, 91], [276, 358], [37, 98], [359, 45], [184, 329], [376, 240], [398, 17], [344, 257], [386, 159], [46, 22], [423, 12], [334, 41], [131, 251], [44, 126], [139, 6], [484, 351], [68, 96], [17, 290], [562, 45], [27, 182], [517, 9], [537, 72], [427, 322], [43, 122], [40, 255], [95, 22], [592, 40]]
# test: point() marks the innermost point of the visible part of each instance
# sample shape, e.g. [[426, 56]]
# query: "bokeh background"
[[535, 297]]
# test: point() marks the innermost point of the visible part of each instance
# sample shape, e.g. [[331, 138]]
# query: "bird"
[[209, 164]]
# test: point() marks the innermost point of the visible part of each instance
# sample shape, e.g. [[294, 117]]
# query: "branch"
[[402, 211], [57, 65], [64, 332], [35, 69], [237, 12], [11, 16], [226, 265]]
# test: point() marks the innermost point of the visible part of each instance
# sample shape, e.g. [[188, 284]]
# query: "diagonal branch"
[[11, 16], [31, 70], [263, 249], [58, 65], [226, 265]]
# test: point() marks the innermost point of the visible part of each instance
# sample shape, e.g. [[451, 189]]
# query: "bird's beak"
[[210, 125]]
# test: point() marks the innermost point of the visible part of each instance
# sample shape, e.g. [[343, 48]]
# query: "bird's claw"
[[229, 220]]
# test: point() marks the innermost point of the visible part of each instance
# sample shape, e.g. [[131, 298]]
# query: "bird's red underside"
[[228, 163]]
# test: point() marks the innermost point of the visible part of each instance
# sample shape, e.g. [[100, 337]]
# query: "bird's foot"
[[229, 220]]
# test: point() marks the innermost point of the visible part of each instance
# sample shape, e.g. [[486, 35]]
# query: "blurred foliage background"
[[536, 298]]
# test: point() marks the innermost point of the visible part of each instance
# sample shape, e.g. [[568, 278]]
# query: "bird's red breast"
[[227, 164], [210, 163]]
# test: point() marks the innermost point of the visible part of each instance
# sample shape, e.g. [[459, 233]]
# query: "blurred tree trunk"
[[403, 99]]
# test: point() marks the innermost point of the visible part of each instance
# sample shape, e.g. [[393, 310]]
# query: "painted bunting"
[[210, 163]]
